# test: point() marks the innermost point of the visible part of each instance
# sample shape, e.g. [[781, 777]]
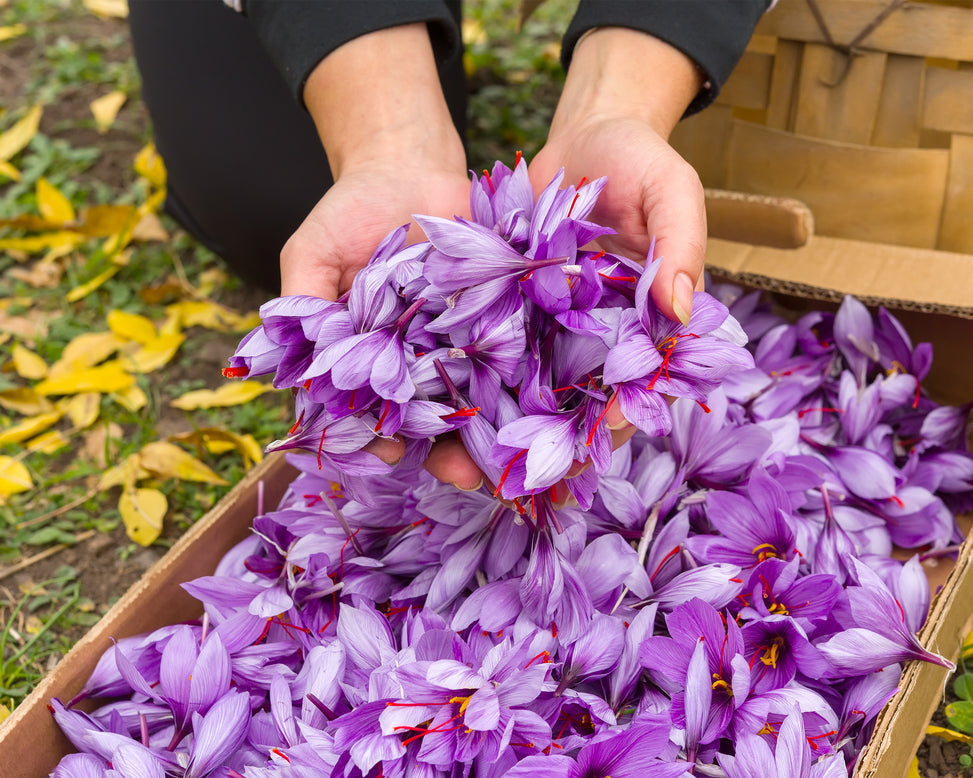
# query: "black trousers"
[[244, 161]]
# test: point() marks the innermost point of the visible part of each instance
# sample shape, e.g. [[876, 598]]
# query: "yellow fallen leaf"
[[131, 326], [6, 34], [8, 170], [80, 292], [117, 9], [14, 477], [32, 425], [167, 460], [53, 205], [34, 244], [101, 221], [171, 325], [212, 315], [20, 134], [85, 350], [28, 364], [948, 734], [155, 354], [83, 409], [106, 108], [125, 474], [211, 280], [4, 713], [132, 399], [218, 441], [236, 393], [109, 377], [28, 324], [49, 442], [142, 512], [25, 402], [149, 228], [150, 166], [153, 202]]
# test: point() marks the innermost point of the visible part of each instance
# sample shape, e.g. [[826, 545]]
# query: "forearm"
[[618, 72], [379, 95]]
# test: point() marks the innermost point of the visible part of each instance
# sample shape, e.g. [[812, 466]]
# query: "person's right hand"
[[368, 201]]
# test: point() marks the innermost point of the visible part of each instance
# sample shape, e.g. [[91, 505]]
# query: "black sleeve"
[[298, 34], [713, 33]]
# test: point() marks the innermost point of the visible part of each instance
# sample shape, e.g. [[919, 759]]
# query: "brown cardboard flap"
[[781, 222], [30, 741], [878, 274]]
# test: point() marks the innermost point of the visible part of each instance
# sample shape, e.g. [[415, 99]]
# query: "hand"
[[368, 201], [651, 192], [624, 93]]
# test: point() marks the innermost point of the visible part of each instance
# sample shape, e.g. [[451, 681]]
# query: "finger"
[[304, 271], [389, 450], [449, 461], [675, 214]]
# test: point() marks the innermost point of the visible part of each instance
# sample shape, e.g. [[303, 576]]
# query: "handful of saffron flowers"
[[504, 328], [719, 600]]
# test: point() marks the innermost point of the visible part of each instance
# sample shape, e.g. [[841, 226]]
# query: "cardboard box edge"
[[19, 734]]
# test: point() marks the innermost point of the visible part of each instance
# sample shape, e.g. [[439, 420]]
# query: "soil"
[[104, 576]]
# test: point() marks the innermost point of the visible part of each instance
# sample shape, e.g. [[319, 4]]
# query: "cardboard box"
[[931, 291], [31, 744]]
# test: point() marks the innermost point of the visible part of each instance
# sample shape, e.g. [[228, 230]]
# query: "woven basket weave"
[[878, 142]]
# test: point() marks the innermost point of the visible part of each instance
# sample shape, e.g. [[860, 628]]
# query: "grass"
[[53, 583]]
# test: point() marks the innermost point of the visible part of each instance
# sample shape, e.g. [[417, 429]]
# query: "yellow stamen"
[[765, 551], [463, 702], [771, 654]]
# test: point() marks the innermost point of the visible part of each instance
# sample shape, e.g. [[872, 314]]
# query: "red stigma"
[[897, 500], [462, 413], [506, 471], [545, 654], [297, 424], [802, 413], [486, 175], [520, 156], [321, 446], [381, 419], [594, 428], [665, 559], [236, 372]]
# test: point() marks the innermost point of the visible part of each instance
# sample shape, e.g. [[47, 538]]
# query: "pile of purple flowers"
[[718, 598]]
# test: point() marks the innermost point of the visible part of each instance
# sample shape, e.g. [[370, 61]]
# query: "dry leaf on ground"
[[25, 401], [150, 166], [14, 477], [217, 440], [131, 326], [29, 427], [142, 512], [27, 364], [167, 460], [225, 396], [110, 377], [117, 9], [106, 108]]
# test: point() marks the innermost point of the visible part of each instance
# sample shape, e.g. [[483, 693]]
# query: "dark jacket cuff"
[[298, 34]]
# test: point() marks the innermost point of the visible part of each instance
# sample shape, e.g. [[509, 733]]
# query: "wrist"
[[378, 98], [621, 73]]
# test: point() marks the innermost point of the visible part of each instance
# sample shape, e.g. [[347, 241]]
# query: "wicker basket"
[[876, 139]]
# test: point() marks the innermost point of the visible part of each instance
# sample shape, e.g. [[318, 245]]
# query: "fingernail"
[[619, 425], [474, 488], [682, 297]]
